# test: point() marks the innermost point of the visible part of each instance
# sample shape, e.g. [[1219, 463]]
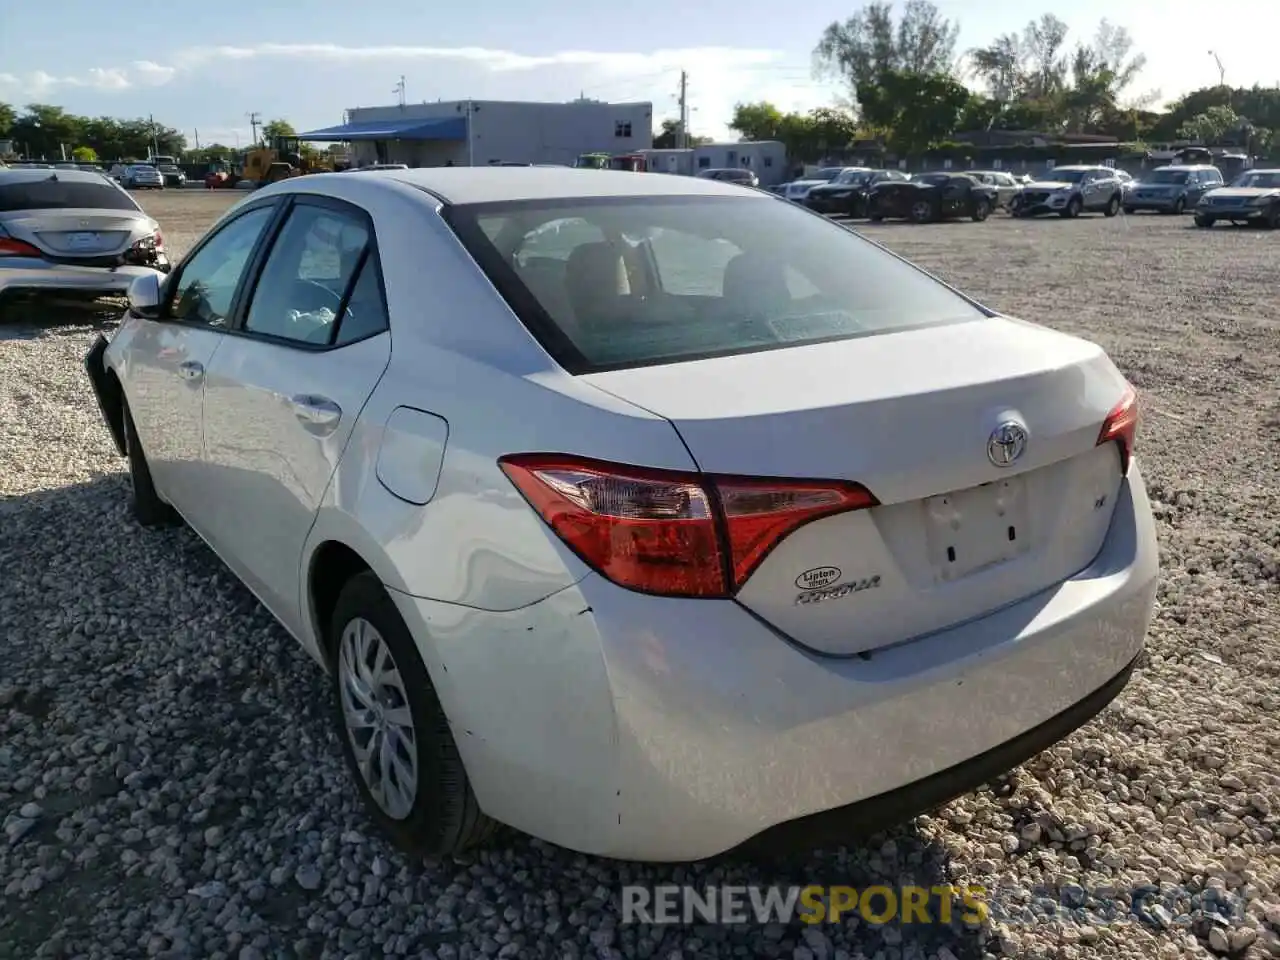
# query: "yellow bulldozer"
[[279, 159]]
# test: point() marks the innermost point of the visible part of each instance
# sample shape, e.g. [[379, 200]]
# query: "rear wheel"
[[1179, 206], [922, 211], [1273, 217], [1113, 206], [148, 509], [981, 209], [1203, 221], [394, 733]]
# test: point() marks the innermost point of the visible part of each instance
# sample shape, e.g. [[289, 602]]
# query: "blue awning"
[[452, 128]]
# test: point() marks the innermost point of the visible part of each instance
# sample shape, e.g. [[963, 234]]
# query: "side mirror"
[[144, 296]]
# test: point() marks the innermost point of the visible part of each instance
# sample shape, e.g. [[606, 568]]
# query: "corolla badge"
[[1007, 443]]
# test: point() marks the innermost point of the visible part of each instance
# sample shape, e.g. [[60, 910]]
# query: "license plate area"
[[83, 241], [970, 530]]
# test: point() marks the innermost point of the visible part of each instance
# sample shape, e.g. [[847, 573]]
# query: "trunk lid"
[[908, 415], [62, 233]]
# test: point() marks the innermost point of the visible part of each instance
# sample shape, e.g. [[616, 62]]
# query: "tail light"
[[1121, 426], [11, 247], [671, 533], [147, 251]]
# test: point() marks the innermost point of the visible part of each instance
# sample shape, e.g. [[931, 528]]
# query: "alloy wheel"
[[379, 723]]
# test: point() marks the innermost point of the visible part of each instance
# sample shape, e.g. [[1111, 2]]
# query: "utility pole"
[[255, 119], [1222, 73], [398, 90], [155, 143], [682, 138]]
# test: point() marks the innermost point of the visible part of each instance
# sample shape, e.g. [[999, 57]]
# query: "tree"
[[914, 109], [868, 44], [84, 154], [273, 129], [669, 136], [7, 116], [42, 130], [1211, 126], [757, 121]]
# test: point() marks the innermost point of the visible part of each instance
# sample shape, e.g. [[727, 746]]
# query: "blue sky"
[[205, 66]]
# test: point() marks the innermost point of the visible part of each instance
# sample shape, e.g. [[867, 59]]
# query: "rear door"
[[284, 392]]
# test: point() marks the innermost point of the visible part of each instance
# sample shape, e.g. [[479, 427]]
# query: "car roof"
[[1271, 170], [14, 175], [458, 185], [1186, 166]]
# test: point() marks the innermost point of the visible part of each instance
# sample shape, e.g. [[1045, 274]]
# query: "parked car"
[[117, 171], [1004, 184], [1070, 191], [1253, 197], [1172, 189], [173, 174], [847, 193], [738, 175], [70, 230], [797, 190], [539, 549], [143, 176], [931, 197]]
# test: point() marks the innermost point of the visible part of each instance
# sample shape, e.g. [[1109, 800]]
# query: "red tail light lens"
[[667, 532], [10, 247], [1121, 426]]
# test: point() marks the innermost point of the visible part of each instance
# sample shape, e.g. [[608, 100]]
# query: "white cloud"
[[719, 76], [151, 73], [498, 61]]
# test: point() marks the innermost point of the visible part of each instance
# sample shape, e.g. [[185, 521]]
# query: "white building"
[[479, 132], [767, 159]]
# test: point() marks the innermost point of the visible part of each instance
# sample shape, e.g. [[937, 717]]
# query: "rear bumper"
[[661, 729], [31, 274]]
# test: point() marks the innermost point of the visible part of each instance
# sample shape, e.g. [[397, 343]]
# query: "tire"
[[148, 509], [1179, 207], [1112, 207], [1074, 206], [1129, 211], [981, 209], [921, 212], [1203, 221], [442, 816], [1273, 218]]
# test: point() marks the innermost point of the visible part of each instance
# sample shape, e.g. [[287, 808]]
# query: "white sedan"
[[649, 516]]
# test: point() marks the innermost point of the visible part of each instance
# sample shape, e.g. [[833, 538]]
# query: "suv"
[[1070, 191], [1172, 189]]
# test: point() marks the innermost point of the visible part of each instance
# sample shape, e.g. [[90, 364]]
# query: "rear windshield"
[[626, 281], [1168, 176], [53, 194]]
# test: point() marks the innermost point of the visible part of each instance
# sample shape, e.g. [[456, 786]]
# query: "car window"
[[557, 239], [307, 274], [207, 282], [657, 280], [365, 313], [54, 194]]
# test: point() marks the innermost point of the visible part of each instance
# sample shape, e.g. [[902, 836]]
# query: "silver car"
[[1070, 191], [64, 230], [1172, 189], [566, 573], [143, 176]]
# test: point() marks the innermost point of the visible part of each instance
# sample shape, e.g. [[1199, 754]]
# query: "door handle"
[[318, 414], [191, 370]]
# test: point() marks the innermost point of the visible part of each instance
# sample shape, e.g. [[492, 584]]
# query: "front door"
[[167, 366], [284, 392]]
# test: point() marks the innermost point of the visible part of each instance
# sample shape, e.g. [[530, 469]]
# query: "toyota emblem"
[[1007, 443]]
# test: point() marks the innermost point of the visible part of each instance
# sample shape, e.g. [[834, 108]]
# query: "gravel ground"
[[169, 786]]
